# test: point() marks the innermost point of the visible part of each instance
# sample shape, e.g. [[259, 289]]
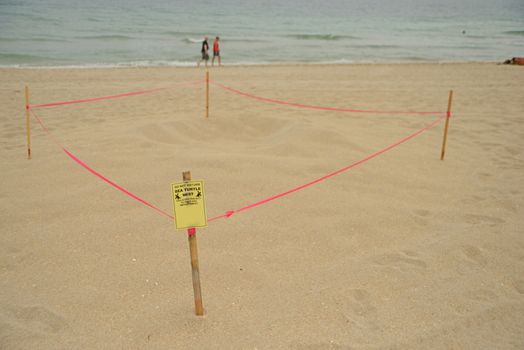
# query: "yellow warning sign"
[[189, 204]]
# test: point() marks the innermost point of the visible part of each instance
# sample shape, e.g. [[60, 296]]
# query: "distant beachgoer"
[[204, 51], [515, 60], [216, 51]]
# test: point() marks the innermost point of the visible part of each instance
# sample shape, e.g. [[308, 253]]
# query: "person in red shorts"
[[216, 51]]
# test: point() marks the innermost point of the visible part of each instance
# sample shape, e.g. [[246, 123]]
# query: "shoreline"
[[254, 64]]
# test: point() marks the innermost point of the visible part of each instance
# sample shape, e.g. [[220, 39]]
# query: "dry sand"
[[404, 252]]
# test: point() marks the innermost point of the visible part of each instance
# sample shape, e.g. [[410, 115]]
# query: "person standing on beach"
[[204, 51], [216, 51]]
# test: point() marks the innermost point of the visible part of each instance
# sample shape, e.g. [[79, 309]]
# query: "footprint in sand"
[[485, 175], [508, 205], [361, 304], [482, 295], [356, 307], [36, 318], [514, 151], [421, 216], [315, 346], [401, 261], [519, 286], [488, 146], [475, 255], [474, 199], [422, 212], [483, 219]]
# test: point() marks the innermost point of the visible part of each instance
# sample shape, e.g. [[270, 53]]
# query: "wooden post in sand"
[[207, 94], [448, 115], [27, 122], [191, 232]]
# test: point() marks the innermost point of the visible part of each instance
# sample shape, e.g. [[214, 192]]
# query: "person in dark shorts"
[[216, 51], [204, 51]]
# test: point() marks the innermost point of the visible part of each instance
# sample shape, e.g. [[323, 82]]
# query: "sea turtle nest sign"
[[189, 204]]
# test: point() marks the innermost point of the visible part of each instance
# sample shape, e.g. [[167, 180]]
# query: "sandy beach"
[[403, 251]]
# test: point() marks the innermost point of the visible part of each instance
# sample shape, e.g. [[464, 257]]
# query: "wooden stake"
[[199, 307], [448, 115], [207, 94], [27, 122]]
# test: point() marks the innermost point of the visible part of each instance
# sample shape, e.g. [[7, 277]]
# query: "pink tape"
[[333, 109], [127, 94], [325, 177], [105, 179], [100, 176], [256, 204], [46, 105]]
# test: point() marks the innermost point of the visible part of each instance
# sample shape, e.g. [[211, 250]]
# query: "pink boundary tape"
[[97, 174], [94, 99], [332, 109], [228, 213], [325, 177]]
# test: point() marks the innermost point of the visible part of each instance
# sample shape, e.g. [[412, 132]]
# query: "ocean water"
[[101, 33]]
